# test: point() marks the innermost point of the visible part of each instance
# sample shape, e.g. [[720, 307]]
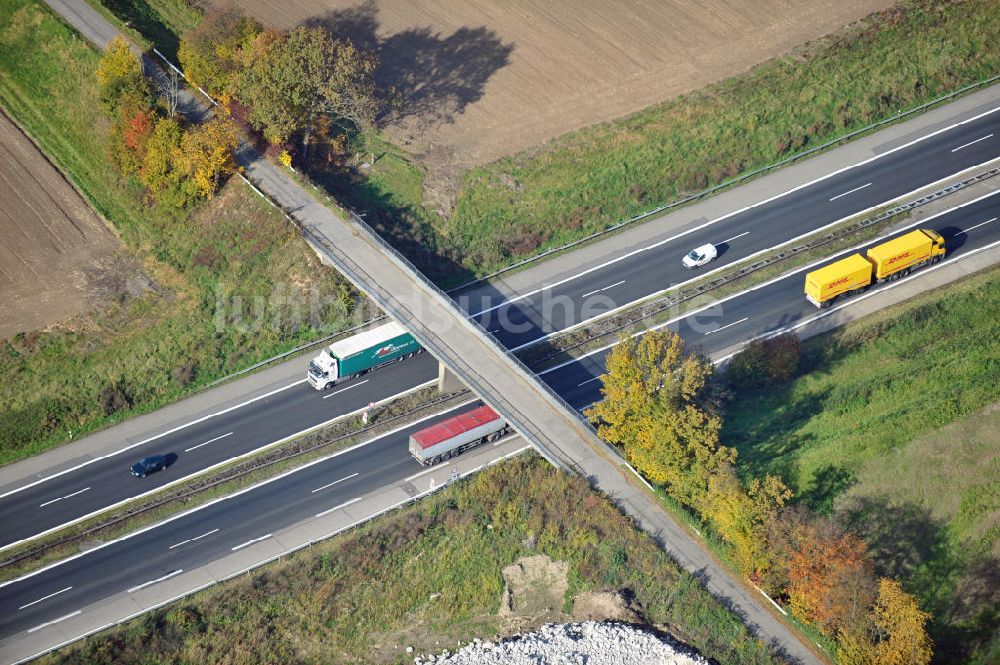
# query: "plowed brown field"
[[488, 78], [49, 239]]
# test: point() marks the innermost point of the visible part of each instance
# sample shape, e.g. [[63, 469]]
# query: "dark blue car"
[[148, 465]]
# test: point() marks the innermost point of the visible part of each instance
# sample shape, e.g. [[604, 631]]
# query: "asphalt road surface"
[[48, 504], [201, 536]]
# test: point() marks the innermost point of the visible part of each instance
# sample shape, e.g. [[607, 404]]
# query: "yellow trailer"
[[851, 274], [897, 257]]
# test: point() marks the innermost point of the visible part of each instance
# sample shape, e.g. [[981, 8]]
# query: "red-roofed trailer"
[[450, 437]]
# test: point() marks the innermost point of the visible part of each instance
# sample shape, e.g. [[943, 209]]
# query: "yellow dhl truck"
[[886, 262]]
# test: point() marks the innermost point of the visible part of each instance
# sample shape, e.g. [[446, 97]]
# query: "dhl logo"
[[896, 259], [840, 281]]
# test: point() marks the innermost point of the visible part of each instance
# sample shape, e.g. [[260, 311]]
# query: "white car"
[[699, 256]]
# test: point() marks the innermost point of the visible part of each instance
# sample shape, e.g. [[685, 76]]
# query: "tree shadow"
[[137, 14], [827, 484], [958, 584], [435, 77]]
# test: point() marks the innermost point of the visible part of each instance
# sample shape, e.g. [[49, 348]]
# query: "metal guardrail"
[[728, 183], [661, 305], [233, 473]]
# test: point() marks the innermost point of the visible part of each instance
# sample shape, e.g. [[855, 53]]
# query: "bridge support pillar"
[[447, 381]]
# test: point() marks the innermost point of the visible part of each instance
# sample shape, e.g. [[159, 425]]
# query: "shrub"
[[113, 398], [764, 362]]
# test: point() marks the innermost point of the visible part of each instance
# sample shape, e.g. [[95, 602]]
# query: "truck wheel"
[[935, 259], [436, 460], [328, 386], [893, 277]]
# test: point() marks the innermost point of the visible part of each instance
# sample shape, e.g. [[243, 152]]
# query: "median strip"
[[302, 448]]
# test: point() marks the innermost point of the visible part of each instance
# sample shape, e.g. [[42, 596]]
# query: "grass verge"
[[426, 576], [588, 180], [859, 435], [227, 284]]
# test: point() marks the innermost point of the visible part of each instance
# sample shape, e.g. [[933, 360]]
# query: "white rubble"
[[584, 643]]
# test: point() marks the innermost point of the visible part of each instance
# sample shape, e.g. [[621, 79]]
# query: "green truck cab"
[[360, 353]]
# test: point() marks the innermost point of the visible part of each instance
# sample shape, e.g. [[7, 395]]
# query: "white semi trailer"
[[448, 438]]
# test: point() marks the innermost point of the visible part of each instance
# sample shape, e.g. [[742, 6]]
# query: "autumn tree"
[[893, 633], [654, 408], [162, 165], [211, 53], [119, 72], [292, 80], [741, 515], [130, 137], [830, 580], [209, 154], [350, 92]]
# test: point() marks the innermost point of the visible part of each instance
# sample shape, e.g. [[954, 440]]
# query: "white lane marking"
[[60, 498], [343, 505], [152, 582], [172, 518], [728, 325], [769, 282], [977, 226], [144, 441], [882, 287], [759, 203], [745, 233], [35, 602], [610, 286], [596, 378], [966, 145], [249, 453], [191, 540], [726, 266], [333, 483], [417, 475], [49, 623], [251, 542], [337, 392], [851, 191], [187, 450]]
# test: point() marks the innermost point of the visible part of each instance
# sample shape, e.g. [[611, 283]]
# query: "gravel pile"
[[586, 643]]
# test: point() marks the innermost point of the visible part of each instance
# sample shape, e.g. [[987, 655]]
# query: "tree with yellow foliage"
[[654, 408], [119, 71], [893, 634], [209, 154], [741, 516]]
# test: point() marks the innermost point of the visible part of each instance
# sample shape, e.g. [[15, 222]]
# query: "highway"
[[647, 271], [196, 538], [49, 503]]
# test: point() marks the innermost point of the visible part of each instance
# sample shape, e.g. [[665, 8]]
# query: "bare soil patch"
[[54, 249], [485, 79]]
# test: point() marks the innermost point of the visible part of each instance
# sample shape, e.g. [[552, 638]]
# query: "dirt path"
[[49, 239], [485, 79]]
